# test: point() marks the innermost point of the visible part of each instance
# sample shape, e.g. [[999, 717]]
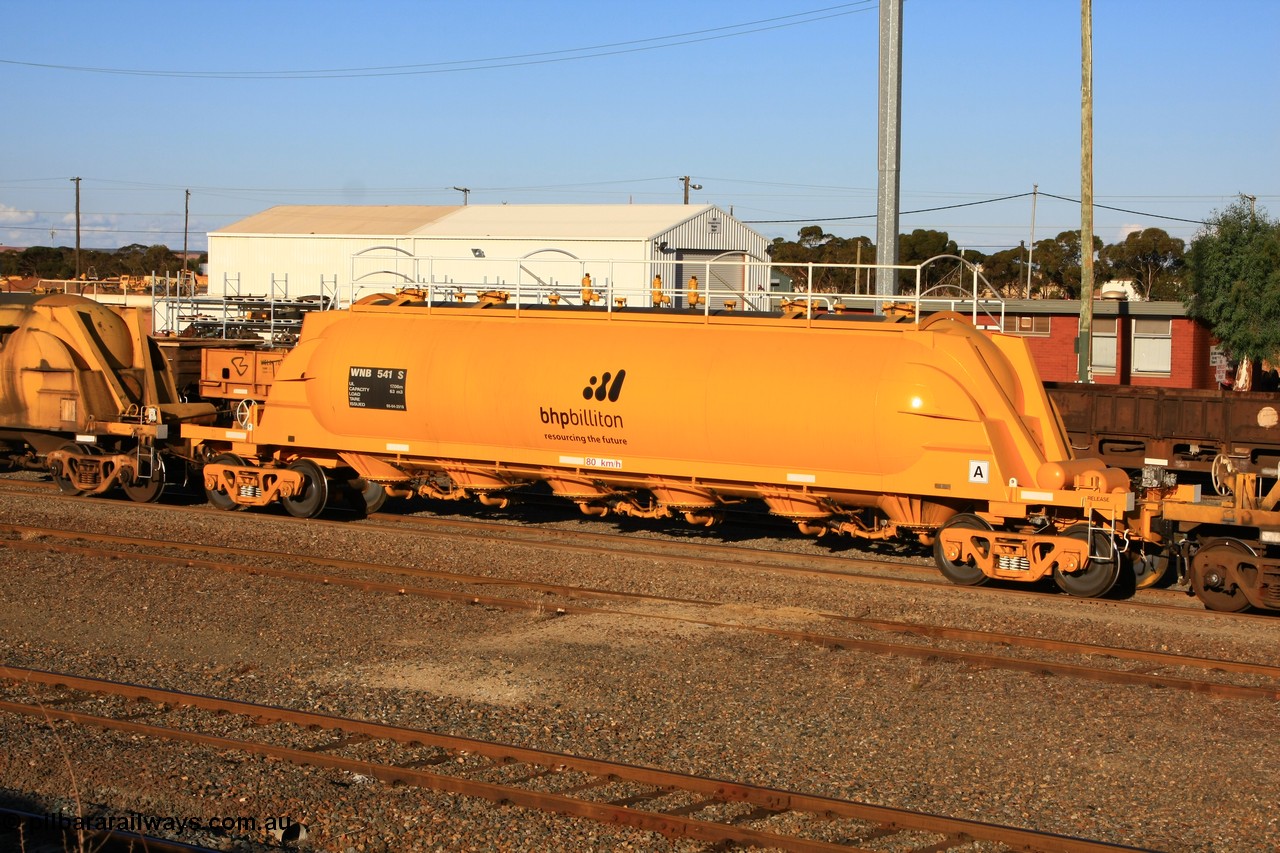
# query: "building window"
[[1153, 346], [1102, 338], [1037, 326]]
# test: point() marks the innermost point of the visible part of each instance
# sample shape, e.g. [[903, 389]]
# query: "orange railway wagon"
[[933, 430], [87, 395]]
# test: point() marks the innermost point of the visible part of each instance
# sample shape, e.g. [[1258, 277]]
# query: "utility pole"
[[1031, 247], [890, 144], [1253, 203], [688, 186], [186, 222], [466, 194], [1086, 191], [77, 183]]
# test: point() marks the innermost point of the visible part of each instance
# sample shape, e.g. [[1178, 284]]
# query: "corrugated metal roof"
[[340, 219], [562, 221], [540, 221]]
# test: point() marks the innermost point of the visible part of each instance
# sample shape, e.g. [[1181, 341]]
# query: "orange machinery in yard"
[[931, 430], [86, 394]]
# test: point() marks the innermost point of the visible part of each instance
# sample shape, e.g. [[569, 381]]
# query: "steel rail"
[[883, 625], [982, 660], [853, 569], [800, 565], [673, 823], [845, 568], [538, 538]]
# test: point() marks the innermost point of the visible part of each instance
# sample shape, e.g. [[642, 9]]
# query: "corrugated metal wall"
[[312, 264], [713, 245], [249, 264]]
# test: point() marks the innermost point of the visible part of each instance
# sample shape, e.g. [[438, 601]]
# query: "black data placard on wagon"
[[376, 388]]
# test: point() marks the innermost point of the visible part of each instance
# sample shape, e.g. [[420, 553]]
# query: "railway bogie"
[[89, 469], [302, 486], [1082, 560], [1230, 575], [1229, 543]]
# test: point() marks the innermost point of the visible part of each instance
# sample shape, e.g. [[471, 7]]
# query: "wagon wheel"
[[1100, 571], [218, 497], [1209, 587], [60, 478], [369, 496], [1149, 567], [315, 491], [149, 490], [65, 484], [962, 573]]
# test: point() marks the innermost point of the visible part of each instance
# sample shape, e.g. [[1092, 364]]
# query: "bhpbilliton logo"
[[609, 388], [606, 386]]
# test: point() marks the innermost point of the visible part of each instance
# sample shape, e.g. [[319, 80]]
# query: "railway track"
[[515, 527], [675, 805], [858, 682], [903, 573], [1068, 658]]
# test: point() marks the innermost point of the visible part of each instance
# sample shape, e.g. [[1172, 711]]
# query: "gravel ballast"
[[1162, 769]]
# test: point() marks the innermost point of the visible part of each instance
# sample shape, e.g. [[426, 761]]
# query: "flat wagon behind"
[[1223, 522], [1182, 429]]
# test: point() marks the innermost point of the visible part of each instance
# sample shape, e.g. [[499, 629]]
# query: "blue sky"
[[770, 106]]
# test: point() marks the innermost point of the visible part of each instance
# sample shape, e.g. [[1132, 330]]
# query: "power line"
[[578, 186], [1122, 210], [91, 230], [972, 204], [509, 61], [873, 216], [137, 186], [118, 213]]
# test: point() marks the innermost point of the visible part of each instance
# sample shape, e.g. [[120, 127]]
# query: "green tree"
[[47, 262], [59, 262], [1057, 262], [131, 259], [1234, 280], [1152, 259], [814, 246], [919, 246], [1006, 271], [813, 237], [159, 259]]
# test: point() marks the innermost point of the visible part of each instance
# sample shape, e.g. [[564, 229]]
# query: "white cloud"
[[13, 216]]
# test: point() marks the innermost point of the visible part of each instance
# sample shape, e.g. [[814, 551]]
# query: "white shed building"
[[531, 251]]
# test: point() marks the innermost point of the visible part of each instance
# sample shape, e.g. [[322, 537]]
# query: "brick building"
[[1134, 343]]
